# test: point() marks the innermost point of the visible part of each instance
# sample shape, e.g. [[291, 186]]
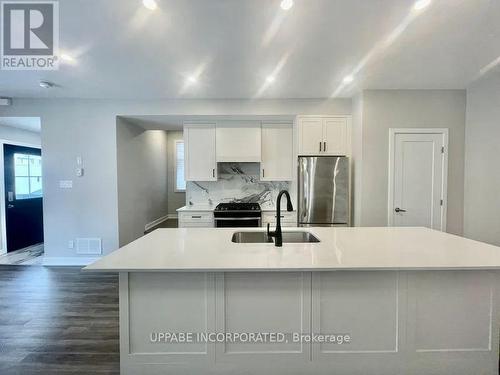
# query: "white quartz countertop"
[[198, 208], [211, 250]]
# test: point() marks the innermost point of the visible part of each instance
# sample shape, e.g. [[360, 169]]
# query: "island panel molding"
[[375, 298], [390, 316], [263, 302], [464, 299]]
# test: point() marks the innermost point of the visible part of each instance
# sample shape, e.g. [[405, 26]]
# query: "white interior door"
[[418, 180]]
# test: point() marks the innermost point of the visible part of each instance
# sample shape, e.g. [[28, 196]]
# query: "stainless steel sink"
[[299, 237], [261, 237], [251, 237]]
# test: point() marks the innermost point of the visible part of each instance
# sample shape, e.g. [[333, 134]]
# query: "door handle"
[[10, 206], [397, 209]]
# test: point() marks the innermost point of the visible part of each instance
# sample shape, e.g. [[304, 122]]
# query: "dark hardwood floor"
[[58, 321]]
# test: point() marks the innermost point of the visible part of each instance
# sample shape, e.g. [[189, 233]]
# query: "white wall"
[[482, 166], [9, 133], [72, 127], [357, 158], [142, 178], [385, 109], [176, 199]]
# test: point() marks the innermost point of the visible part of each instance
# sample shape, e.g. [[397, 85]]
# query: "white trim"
[[175, 165], [3, 225], [68, 261], [444, 192], [172, 216], [156, 222]]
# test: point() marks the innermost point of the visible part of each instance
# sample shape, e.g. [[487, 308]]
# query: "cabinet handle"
[[196, 217], [213, 172], [263, 172], [324, 146], [320, 146]]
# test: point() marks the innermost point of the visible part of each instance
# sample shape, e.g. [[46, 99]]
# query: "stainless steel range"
[[231, 215]]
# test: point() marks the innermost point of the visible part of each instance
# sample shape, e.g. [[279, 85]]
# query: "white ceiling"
[[124, 50], [32, 124]]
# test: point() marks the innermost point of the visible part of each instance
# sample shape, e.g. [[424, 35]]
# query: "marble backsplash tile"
[[237, 182]]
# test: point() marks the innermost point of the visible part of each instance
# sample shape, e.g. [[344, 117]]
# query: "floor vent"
[[88, 246]]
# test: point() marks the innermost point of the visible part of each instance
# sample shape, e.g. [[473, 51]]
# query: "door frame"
[[444, 192], [3, 223]]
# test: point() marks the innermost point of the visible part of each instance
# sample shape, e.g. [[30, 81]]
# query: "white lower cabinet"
[[196, 219], [288, 219]]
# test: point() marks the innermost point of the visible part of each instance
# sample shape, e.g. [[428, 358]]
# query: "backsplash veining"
[[237, 182]]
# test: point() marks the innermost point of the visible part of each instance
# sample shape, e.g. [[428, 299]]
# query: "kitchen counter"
[[408, 300], [209, 249], [198, 208]]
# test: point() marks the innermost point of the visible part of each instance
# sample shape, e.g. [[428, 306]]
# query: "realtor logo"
[[30, 35]]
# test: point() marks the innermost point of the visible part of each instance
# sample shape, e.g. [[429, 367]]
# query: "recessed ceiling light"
[[192, 79], [67, 58], [348, 79], [46, 84], [286, 4], [421, 4], [270, 79], [150, 4]]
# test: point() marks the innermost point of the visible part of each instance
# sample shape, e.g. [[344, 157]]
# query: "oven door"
[[237, 222]]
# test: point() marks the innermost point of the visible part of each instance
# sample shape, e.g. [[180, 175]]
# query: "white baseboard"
[[68, 261], [156, 222], [159, 221]]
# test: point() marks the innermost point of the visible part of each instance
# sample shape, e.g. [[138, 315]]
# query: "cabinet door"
[[335, 136], [199, 152], [277, 152], [238, 141], [310, 136]]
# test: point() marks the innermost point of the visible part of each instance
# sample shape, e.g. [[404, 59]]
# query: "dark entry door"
[[23, 196]]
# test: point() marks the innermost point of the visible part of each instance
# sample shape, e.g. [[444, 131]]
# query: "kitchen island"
[[360, 301]]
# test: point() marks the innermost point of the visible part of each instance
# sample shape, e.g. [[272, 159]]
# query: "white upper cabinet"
[[310, 135], [277, 152], [335, 136], [238, 141], [199, 152], [324, 135]]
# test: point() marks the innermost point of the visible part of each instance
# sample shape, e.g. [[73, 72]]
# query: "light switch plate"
[[66, 184]]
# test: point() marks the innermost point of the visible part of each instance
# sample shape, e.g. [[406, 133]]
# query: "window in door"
[[28, 176], [180, 182]]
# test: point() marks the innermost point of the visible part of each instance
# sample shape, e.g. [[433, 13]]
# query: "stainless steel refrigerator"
[[323, 191]]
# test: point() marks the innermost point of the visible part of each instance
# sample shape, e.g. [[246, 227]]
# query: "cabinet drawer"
[[285, 216], [288, 219], [196, 217]]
